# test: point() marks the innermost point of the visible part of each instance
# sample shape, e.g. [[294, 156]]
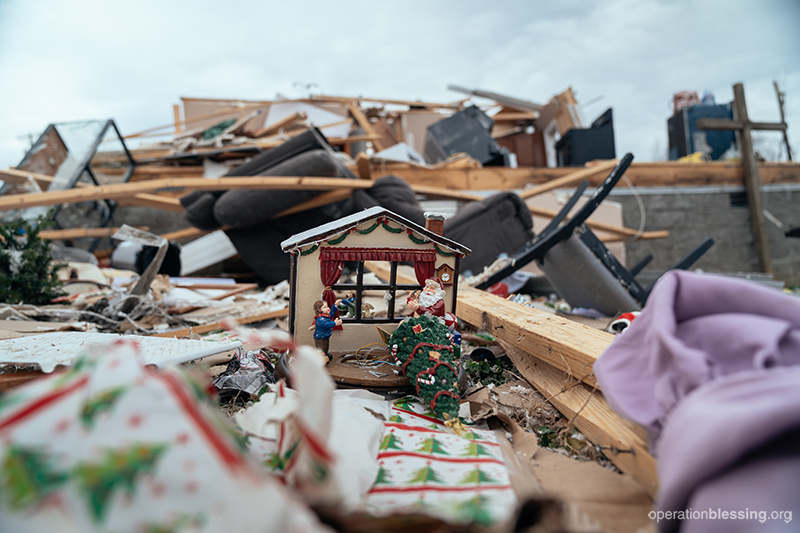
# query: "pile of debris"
[[495, 421]]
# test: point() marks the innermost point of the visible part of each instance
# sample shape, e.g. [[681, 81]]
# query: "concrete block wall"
[[692, 214]]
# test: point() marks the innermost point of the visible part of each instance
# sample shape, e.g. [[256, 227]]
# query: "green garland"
[[338, 239], [369, 229], [388, 228], [381, 222], [310, 250], [416, 240], [442, 252]]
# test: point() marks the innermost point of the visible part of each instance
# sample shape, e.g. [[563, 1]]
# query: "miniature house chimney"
[[434, 222]]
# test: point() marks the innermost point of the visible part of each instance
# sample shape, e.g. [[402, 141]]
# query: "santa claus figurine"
[[430, 299]]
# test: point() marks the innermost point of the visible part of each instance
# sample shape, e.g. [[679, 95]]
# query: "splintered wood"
[[556, 356], [571, 347], [623, 442]]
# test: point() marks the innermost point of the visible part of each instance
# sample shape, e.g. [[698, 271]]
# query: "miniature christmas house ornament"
[[375, 235]]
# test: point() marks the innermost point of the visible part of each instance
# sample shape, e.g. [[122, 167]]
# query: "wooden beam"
[[571, 347], [126, 190], [435, 192], [363, 166], [142, 199], [205, 328], [504, 115], [601, 226], [176, 114], [218, 113], [184, 234], [780, 96], [363, 121], [752, 181], [570, 179], [21, 177], [282, 123], [661, 174], [154, 201], [622, 441], [409, 103], [317, 201], [728, 124], [77, 233]]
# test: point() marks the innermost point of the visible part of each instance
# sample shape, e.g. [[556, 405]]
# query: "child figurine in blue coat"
[[324, 321]]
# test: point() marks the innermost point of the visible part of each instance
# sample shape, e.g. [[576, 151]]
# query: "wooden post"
[[176, 113], [783, 120], [743, 127], [751, 180]]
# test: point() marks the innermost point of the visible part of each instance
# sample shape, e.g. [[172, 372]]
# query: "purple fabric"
[[711, 368]]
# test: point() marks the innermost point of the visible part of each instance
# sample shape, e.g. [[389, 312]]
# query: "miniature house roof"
[[335, 227]]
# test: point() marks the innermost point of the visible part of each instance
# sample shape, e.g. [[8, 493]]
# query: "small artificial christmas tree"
[[424, 352], [26, 272]]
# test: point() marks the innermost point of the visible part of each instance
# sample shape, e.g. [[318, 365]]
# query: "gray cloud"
[[131, 61]]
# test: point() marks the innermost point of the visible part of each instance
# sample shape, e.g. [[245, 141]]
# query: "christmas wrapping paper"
[[110, 445], [425, 467]]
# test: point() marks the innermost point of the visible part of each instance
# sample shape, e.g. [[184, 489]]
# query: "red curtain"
[[377, 254], [329, 273], [424, 270]]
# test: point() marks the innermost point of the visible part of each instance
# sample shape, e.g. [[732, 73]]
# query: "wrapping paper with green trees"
[[425, 467], [109, 445]]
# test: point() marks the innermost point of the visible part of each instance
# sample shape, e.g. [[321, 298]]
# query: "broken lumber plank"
[[435, 192], [153, 200], [622, 441], [205, 328], [570, 179], [126, 190], [21, 177], [230, 290], [282, 123], [317, 201], [184, 234], [601, 226], [514, 116], [176, 114], [410, 103], [239, 108], [77, 233], [662, 174], [363, 121], [143, 199], [558, 341]]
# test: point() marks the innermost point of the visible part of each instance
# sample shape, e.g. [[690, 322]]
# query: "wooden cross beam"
[[743, 126]]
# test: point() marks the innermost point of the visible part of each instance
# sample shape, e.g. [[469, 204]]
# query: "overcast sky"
[[82, 59]]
